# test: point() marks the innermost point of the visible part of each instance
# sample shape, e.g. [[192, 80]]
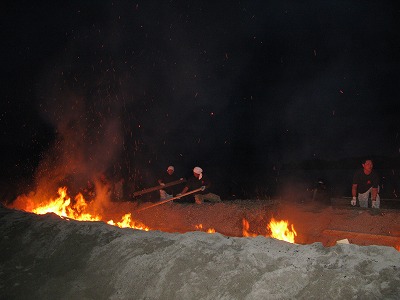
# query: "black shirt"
[[365, 182], [195, 183], [171, 190]]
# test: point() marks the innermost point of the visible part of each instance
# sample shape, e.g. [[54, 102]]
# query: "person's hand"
[[374, 204], [179, 195], [353, 201], [162, 183], [203, 188]]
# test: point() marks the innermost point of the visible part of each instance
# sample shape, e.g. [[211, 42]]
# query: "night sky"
[[236, 87]]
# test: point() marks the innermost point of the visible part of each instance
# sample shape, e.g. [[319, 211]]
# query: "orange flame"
[[57, 206], [246, 227], [63, 207], [279, 230], [127, 222], [200, 227]]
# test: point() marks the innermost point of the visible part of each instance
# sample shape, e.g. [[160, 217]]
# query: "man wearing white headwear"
[[170, 176], [199, 180]]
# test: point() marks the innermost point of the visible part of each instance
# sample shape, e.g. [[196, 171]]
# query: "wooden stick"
[[171, 199], [158, 187]]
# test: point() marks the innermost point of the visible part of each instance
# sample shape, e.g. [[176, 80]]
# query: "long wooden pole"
[[158, 187], [170, 199]]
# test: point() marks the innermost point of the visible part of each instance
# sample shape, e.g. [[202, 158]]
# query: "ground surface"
[[313, 221], [46, 257]]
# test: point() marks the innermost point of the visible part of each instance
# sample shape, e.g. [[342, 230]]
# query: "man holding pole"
[[199, 180], [170, 191]]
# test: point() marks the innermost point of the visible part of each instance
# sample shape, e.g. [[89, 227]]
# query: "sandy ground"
[[46, 257], [313, 221]]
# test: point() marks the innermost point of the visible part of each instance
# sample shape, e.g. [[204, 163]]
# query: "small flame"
[[279, 230], [246, 227], [200, 227], [127, 222]]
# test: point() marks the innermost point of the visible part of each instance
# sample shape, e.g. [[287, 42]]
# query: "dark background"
[[254, 92]]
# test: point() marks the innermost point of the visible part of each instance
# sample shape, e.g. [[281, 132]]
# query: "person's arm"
[[161, 180], [354, 190], [185, 189], [188, 186], [354, 194]]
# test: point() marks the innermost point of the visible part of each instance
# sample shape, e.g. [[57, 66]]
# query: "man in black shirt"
[[199, 180], [170, 176], [366, 182]]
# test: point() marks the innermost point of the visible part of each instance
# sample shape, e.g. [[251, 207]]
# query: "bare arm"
[[354, 190]]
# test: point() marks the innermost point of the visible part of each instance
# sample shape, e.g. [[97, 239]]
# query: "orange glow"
[[200, 227], [63, 207], [127, 222], [245, 230], [279, 230], [77, 210], [57, 206]]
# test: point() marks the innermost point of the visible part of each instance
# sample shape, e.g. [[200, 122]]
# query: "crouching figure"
[[366, 185], [197, 181]]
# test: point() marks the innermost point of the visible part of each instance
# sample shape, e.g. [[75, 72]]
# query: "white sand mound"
[[45, 257]]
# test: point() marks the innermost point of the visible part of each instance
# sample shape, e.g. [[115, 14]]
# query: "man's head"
[[197, 171], [368, 165], [170, 170]]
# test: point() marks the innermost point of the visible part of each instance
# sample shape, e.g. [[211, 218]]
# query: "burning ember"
[[279, 230]]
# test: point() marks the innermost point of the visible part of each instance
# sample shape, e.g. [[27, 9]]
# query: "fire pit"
[[294, 222]]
